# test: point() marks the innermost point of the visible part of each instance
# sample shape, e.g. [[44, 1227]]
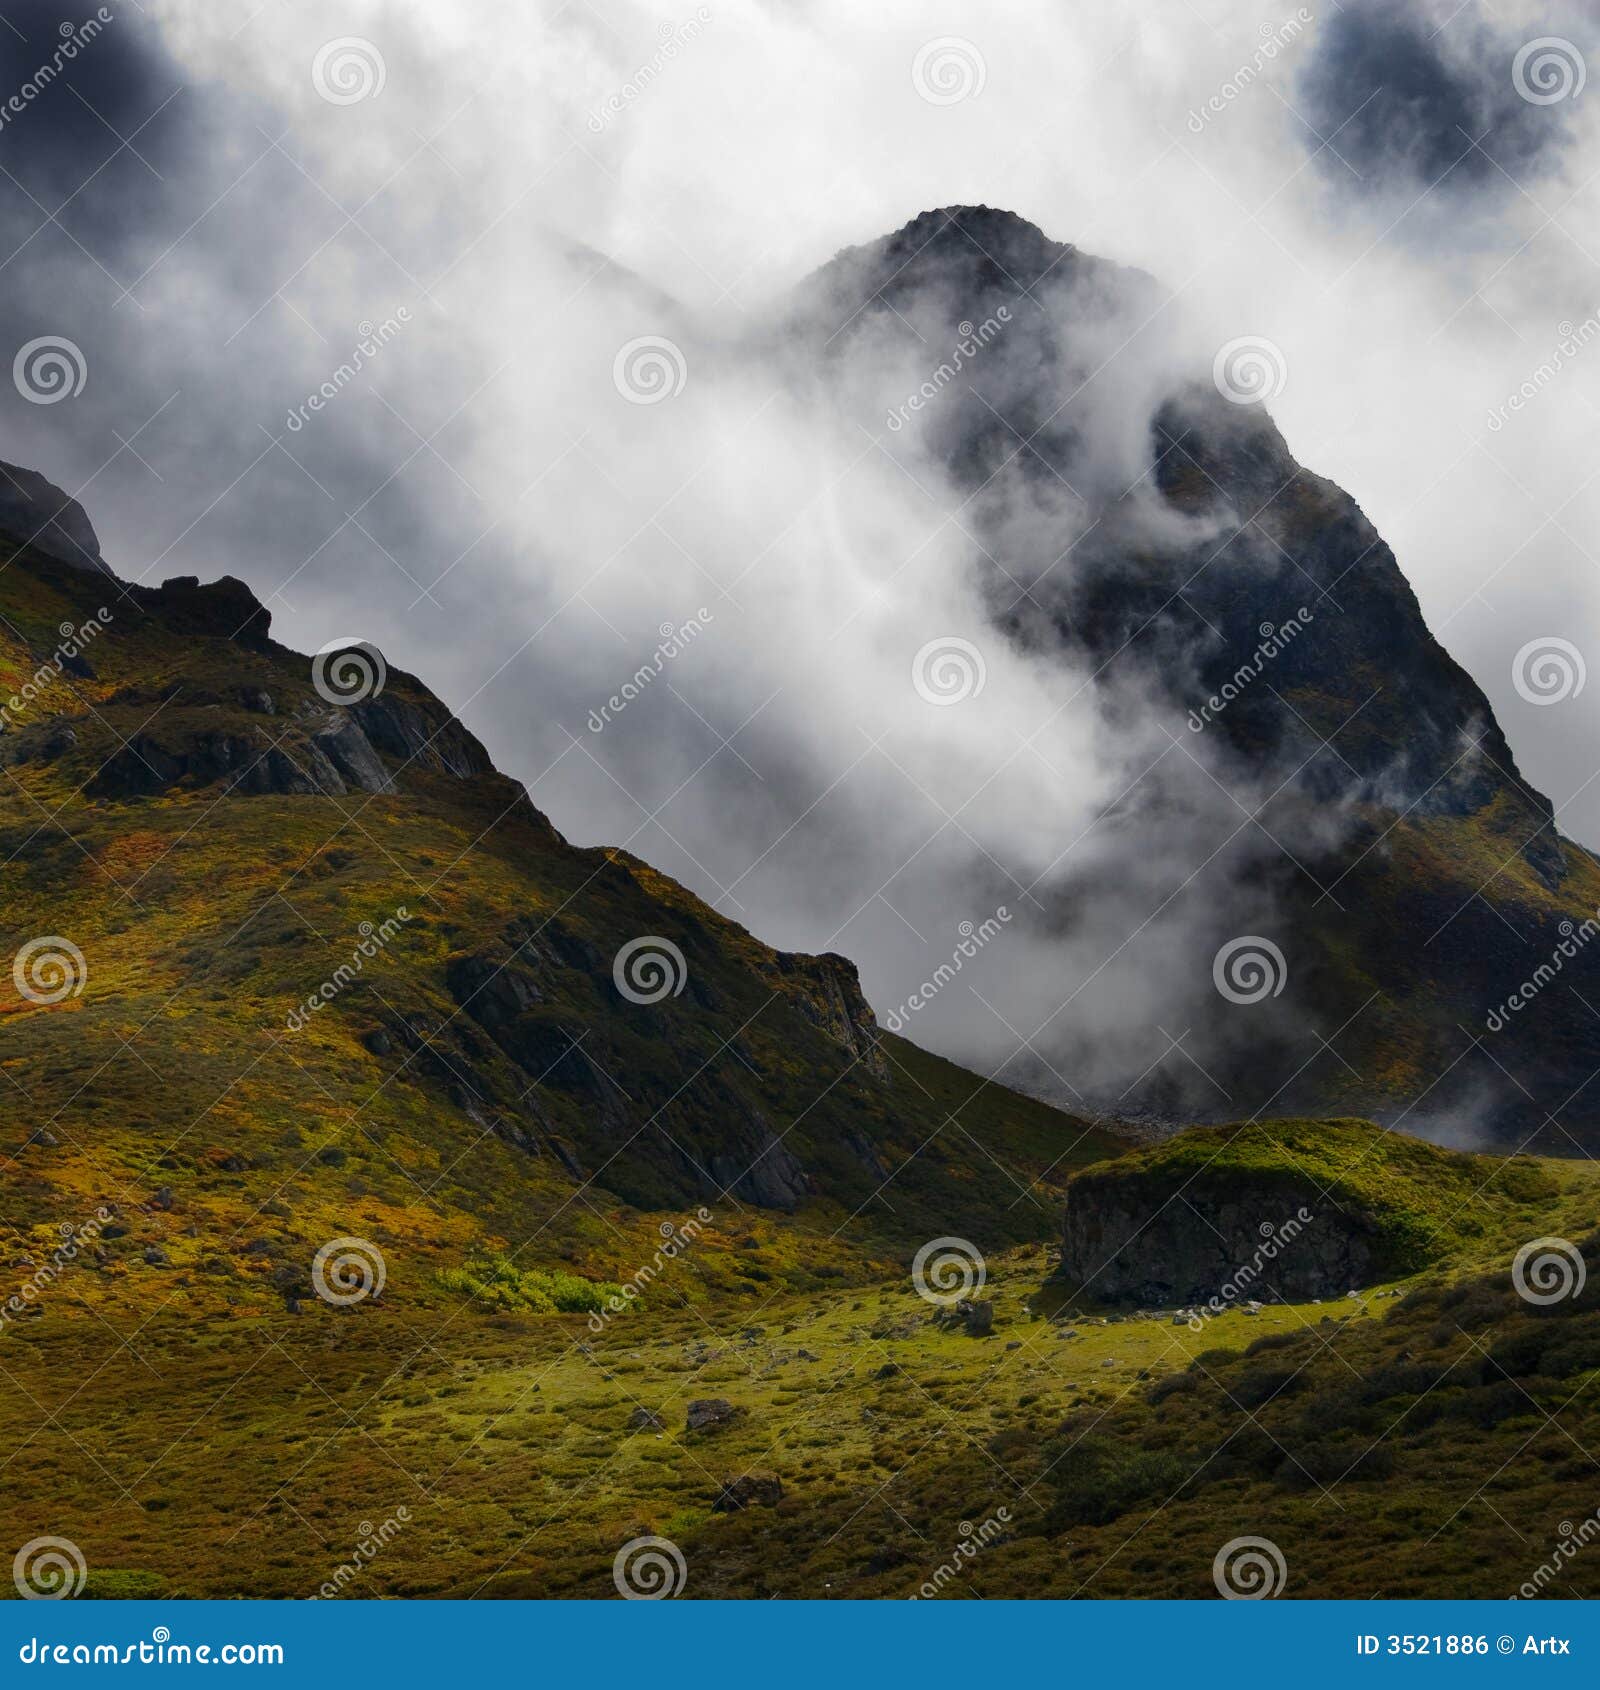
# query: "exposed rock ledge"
[[1270, 1242], [1270, 1210]]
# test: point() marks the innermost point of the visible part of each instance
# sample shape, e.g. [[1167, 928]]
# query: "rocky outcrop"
[[750, 1490], [423, 733], [33, 509], [827, 990], [710, 1414], [333, 759], [1140, 1242]]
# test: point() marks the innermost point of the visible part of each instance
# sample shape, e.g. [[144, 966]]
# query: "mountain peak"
[[983, 237]]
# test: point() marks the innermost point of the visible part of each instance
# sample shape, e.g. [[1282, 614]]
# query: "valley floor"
[[1431, 1439]]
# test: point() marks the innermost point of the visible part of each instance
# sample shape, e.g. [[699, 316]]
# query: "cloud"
[[1400, 98]]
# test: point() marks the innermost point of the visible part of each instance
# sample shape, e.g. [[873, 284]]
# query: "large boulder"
[[749, 1490]]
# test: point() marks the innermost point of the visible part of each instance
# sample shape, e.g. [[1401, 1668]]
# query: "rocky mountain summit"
[[1325, 780]]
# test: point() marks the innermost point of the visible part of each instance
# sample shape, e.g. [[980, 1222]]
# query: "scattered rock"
[[645, 1420], [710, 1414], [751, 1490], [975, 1317]]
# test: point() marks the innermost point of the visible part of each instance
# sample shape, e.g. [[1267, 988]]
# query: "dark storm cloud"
[[101, 121], [1406, 98]]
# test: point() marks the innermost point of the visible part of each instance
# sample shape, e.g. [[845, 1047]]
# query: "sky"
[[553, 244]]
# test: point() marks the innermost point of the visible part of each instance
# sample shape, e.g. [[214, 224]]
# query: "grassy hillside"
[[513, 1142]]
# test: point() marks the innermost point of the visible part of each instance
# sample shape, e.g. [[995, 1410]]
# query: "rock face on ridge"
[[1348, 796], [34, 507]]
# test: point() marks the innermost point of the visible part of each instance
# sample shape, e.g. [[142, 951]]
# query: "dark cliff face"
[[1136, 525], [1260, 1242], [1158, 527], [35, 509], [1277, 1211]]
